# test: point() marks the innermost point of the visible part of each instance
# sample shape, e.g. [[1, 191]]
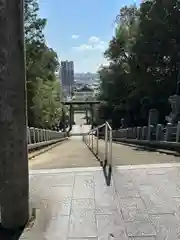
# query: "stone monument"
[[122, 123], [153, 117]]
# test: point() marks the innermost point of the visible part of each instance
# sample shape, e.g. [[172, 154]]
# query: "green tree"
[[47, 110], [44, 107], [117, 85], [144, 61]]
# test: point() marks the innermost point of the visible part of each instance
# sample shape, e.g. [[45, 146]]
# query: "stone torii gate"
[[13, 117], [74, 102]]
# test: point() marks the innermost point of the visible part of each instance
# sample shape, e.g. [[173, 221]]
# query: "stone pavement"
[[142, 203], [135, 155], [71, 153]]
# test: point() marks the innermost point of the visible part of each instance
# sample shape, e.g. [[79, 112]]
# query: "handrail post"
[[92, 140], [110, 147], [38, 134], [106, 144], [97, 142], [44, 135], [41, 131], [34, 135]]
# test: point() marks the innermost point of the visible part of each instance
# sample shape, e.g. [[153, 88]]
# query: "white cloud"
[[94, 43], [89, 55], [83, 47], [84, 60], [101, 45], [75, 36], [94, 39]]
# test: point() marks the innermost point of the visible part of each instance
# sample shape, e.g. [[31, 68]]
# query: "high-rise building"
[[67, 77]]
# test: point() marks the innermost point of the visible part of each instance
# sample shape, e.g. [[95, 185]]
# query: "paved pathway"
[[62, 155], [78, 129], [143, 203], [71, 153], [134, 155]]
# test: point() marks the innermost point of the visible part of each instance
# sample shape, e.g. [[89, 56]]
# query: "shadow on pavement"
[[149, 149], [107, 170], [7, 234]]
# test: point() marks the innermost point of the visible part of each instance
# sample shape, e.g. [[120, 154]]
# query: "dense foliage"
[[144, 62], [43, 90]]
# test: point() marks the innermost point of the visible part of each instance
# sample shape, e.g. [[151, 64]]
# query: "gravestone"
[[153, 117], [122, 123]]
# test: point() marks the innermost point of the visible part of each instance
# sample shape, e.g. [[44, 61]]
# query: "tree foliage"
[[144, 61], [43, 90]]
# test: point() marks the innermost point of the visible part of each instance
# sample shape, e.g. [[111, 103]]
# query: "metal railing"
[[37, 137], [103, 153]]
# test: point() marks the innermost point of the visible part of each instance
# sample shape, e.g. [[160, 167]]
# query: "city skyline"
[[75, 72]]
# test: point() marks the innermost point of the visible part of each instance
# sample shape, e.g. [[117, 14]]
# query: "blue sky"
[[79, 30]]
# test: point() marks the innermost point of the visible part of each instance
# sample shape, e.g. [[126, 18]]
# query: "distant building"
[[85, 78], [67, 77]]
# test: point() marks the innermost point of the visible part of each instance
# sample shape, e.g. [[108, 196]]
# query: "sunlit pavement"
[[142, 203], [71, 153], [73, 202], [79, 129]]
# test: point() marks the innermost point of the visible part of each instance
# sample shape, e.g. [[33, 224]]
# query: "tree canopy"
[[144, 62], [43, 88]]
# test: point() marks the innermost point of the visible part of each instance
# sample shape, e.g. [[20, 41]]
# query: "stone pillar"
[[178, 132], [168, 135], [72, 114], [63, 120], [13, 117], [86, 115], [159, 132], [70, 117], [92, 115], [139, 133]]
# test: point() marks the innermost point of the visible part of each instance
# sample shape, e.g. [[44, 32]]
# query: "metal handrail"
[[109, 126], [89, 138]]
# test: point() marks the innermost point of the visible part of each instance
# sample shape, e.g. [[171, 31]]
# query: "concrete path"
[[79, 118], [134, 155], [71, 153], [74, 153], [142, 203], [78, 129]]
